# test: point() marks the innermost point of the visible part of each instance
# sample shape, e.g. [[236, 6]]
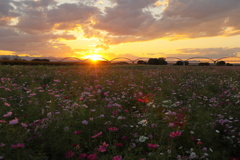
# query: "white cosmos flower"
[[143, 122], [193, 155], [142, 138]]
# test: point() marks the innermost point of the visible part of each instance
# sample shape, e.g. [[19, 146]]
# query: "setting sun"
[[94, 57]]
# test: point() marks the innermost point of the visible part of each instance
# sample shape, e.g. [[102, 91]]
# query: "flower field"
[[119, 112]]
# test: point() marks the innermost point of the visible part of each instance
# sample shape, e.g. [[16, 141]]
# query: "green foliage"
[[157, 61], [221, 63]]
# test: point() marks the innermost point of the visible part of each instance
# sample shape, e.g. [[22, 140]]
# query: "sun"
[[94, 57]]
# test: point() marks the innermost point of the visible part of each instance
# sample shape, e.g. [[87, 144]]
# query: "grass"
[[119, 112]]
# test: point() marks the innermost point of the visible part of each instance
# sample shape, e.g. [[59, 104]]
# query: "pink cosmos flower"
[[150, 145], [82, 156], [92, 157], [7, 104], [103, 147], [113, 129], [171, 125], [2, 144], [204, 149], [69, 154], [24, 125], [98, 134], [115, 112], [77, 132], [117, 158], [2, 121], [19, 145], [175, 134], [8, 114], [124, 138], [144, 100], [199, 142], [119, 144], [85, 122], [153, 125], [14, 121]]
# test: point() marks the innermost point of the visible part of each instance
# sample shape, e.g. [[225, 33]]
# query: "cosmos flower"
[[150, 145], [103, 147], [19, 145], [92, 157], [14, 121], [69, 154], [171, 125], [143, 122], [96, 135], [77, 132], [82, 156], [7, 114], [117, 158], [113, 129], [24, 125], [175, 134], [142, 138], [85, 122]]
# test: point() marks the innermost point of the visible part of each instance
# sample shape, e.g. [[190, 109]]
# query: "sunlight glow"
[[94, 57]]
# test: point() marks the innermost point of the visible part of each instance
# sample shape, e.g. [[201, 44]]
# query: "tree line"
[[162, 61]]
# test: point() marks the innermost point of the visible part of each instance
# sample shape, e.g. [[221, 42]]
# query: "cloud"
[[33, 22], [199, 18], [40, 25], [208, 52], [126, 20], [71, 14], [129, 22], [37, 18], [7, 12], [37, 44], [34, 26]]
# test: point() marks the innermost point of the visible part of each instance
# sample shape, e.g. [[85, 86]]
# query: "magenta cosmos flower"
[[77, 132], [113, 129], [175, 134], [19, 145], [92, 157], [103, 147], [69, 154], [150, 145], [117, 158]]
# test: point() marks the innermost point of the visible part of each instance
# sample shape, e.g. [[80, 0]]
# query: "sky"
[[120, 28]]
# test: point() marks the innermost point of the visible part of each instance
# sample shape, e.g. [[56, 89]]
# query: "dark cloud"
[[39, 3], [71, 13], [37, 18], [126, 19], [181, 19], [37, 44], [34, 21], [199, 18], [7, 32], [6, 12]]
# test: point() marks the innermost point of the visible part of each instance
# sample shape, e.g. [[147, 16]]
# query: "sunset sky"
[[120, 28]]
